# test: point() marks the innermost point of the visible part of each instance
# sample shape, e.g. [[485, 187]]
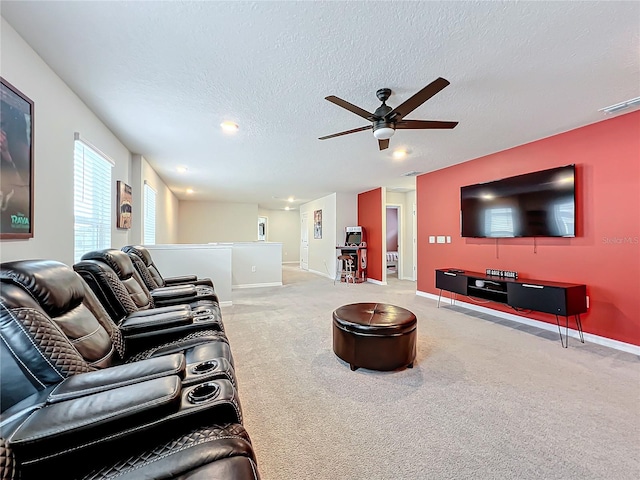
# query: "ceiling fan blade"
[[418, 99], [368, 127], [424, 124], [384, 144], [352, 108]]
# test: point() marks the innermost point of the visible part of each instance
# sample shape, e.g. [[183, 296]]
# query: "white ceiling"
[[164, 75]]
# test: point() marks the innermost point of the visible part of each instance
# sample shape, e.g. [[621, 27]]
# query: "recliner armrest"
[[180, 279], [175, 294], [176, 291], [178, 308], [118, 376], [135, 325], [60, 433], [65, 426]]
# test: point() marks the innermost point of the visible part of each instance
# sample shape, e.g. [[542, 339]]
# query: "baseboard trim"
[[287, 263], [226, 303], [318, 272], [590, 337], [377, 282], [257, 285]]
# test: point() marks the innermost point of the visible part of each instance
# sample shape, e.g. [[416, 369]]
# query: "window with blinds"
[[91, 200], [149, 215]]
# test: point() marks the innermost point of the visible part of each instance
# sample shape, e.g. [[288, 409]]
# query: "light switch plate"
[[432, 239], [448, 239], [440, 239]]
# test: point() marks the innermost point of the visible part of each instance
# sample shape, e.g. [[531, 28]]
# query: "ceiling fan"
[[385, 120]]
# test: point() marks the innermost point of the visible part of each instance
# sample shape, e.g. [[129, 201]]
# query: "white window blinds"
[[149, 215], [91, 199]]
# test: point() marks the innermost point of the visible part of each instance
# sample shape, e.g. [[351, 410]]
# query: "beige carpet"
[[487, 399]]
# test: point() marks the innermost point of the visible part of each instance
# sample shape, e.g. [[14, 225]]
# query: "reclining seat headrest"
[[56, 287], [115, 281], [153, 278], [139, 251], [68, 302], [49, 329], [119, 261]]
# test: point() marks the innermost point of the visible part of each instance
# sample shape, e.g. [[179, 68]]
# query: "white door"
[[304, 241], [415, 245]]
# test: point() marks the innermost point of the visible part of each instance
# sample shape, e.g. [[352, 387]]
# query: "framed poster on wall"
[[16, 163], [124, 205], [317, 224]]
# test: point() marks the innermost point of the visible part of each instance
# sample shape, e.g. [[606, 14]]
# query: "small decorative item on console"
[[501, 273]]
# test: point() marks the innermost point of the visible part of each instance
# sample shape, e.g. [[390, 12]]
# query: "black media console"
[[559, 299]]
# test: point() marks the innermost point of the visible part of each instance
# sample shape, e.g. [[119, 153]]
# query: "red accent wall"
[[370, 213], [604, 255]]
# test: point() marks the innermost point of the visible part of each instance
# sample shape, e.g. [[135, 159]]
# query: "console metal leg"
[[565, 341], [439, 297], [579, 325]]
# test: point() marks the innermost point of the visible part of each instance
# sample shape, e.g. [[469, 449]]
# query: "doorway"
[[394, 241]]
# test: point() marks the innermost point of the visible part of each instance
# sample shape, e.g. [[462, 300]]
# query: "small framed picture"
[[317, 224], [124, 205]]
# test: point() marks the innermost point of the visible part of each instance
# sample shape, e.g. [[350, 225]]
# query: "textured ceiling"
[[164, 75]]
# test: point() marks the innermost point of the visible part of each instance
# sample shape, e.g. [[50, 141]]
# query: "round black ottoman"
[[376, 336]]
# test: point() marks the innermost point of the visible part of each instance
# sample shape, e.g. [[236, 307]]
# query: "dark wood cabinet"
[[451, 282], [556, 298]]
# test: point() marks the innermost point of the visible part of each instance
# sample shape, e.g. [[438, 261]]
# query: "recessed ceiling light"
[[287, 208], [290, 199], [399, 154], [181, 169], [189, 191], [229, 127]]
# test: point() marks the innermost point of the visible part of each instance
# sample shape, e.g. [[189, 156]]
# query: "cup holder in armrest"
[[204, 367], [203, 393], [203, 290], [202, 311], [203, 318]]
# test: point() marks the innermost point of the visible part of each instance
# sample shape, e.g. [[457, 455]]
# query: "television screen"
[[538, 204]]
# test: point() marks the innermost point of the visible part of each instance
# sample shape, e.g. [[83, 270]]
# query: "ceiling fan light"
[[383, 133]]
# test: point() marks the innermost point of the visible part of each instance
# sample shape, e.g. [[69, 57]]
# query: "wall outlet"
[[440, 239], [253, 268], [587, 301], [448, 239]]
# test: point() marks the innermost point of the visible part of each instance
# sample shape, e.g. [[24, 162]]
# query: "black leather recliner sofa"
[[152, 276], [68, 412], [112, 276]]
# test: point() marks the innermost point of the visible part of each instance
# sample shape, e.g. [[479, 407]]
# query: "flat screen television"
[[537, 204]]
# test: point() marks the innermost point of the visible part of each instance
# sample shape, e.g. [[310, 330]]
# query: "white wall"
[[322, 252], [204, 261], [205, 222], [167, 204], [256, 264], [346, 214], [58, 114], [284, 226]]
